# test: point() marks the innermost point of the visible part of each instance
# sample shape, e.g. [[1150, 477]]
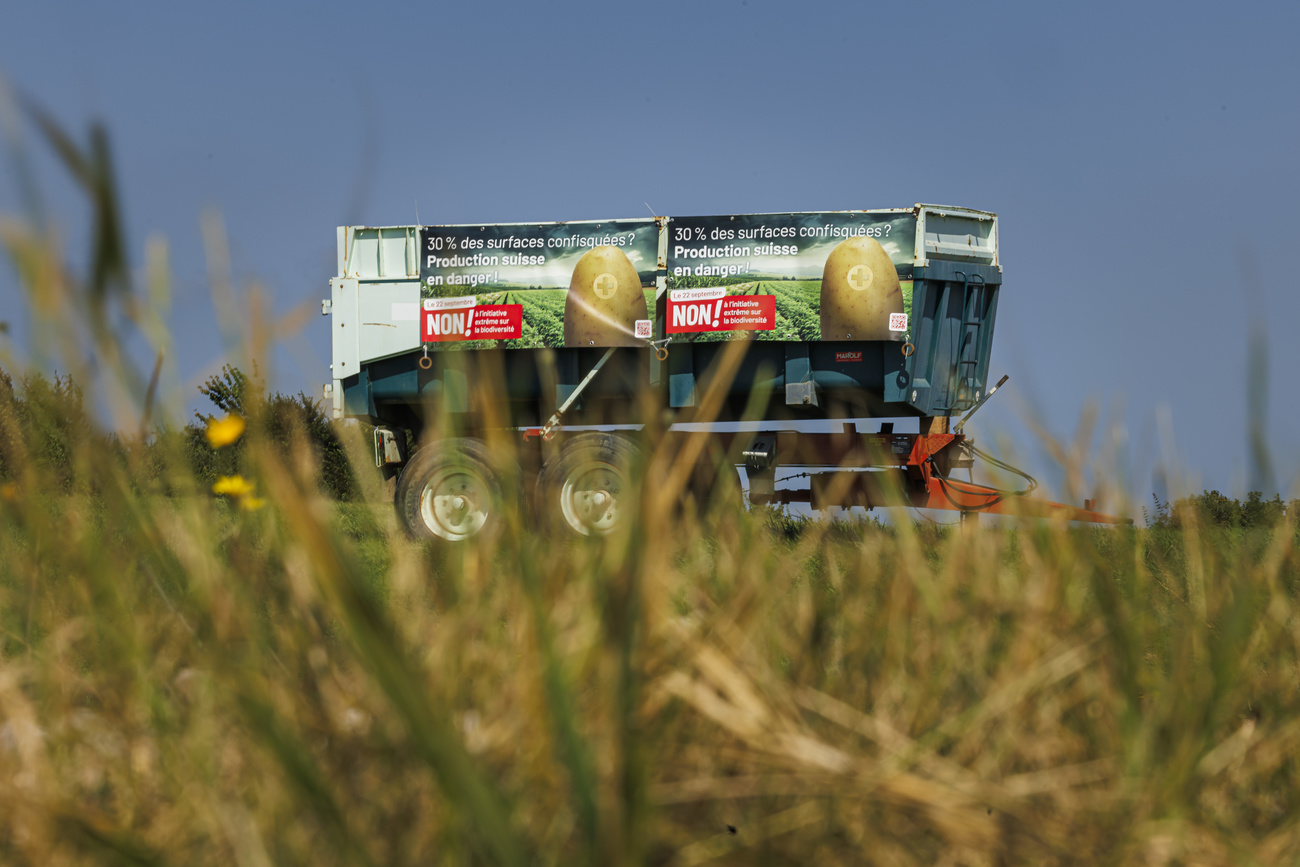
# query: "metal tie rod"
[[548, 429], [958, 427]]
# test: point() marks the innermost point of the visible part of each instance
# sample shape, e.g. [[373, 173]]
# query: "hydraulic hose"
[[957, 484]]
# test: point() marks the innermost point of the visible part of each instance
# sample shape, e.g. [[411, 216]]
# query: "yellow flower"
[[233, 486], [225, 431], [251, 504]]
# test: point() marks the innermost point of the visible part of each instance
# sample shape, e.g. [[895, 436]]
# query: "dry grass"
[[187, 683]]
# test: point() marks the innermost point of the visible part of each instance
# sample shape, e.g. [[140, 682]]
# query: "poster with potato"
[[834, 276], [534, 285]]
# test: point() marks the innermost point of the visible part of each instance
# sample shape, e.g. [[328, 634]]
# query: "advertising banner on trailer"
[[804, 276], [831, 276], [539, 285]]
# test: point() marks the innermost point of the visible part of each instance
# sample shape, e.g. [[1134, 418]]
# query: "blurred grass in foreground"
[[186, 682]]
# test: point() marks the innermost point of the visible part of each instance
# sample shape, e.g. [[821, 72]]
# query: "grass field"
[[188, 682], [272, 678]]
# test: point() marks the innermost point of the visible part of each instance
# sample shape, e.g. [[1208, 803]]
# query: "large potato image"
[[859, 290], [604, 301]]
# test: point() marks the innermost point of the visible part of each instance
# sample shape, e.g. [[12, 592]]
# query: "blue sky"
[[1140, 156]]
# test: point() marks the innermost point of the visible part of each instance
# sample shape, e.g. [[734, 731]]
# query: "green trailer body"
[[849, 314]]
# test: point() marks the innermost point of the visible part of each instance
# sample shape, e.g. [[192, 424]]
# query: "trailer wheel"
[[714, 485], [714, 489], [588, 487], [448, 491]]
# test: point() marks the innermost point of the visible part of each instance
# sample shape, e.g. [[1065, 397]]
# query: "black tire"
[[714, 485], [449, 492], [588, 488], [714, 490]]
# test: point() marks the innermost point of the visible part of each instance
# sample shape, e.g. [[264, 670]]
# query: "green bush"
[[1211, 508], [281, 419], [41, 422]]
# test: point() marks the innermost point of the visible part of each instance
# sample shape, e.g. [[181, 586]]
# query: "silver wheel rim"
[[455, 503], [590, 497]]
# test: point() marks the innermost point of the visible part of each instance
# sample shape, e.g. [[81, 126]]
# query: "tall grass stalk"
[[183, 681]]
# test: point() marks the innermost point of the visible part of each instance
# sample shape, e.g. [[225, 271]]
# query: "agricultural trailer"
[[590, 343]]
